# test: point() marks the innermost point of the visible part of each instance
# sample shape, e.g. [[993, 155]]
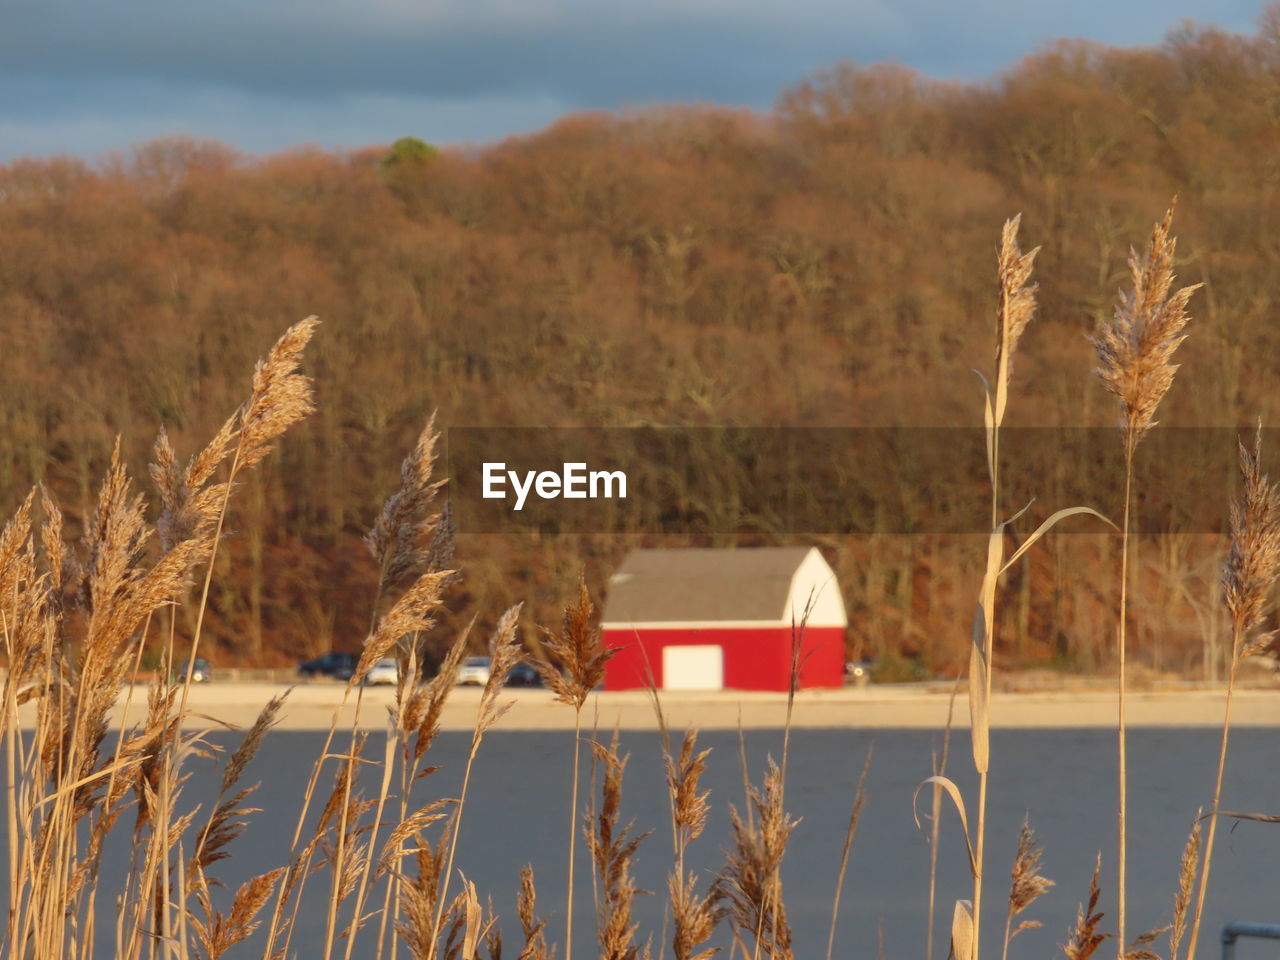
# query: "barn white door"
[[693, 668]]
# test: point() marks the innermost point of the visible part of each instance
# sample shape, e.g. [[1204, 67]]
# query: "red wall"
[[754, 659]]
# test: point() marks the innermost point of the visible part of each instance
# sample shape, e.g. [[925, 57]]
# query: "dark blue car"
[[340, 666]]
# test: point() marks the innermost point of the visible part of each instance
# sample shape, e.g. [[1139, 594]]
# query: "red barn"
[[716, 619]]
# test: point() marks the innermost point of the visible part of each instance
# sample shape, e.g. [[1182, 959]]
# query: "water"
[[517, 813]]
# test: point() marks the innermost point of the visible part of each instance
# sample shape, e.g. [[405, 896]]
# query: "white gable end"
[[814, 588]]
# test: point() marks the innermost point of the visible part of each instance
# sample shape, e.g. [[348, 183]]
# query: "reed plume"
[[1016, 304], [280, 396], [577, 654], [1084, 937], [16, 559], [419, 894], [749, 884], [1253, 560], [419, 711], [694, 916], [1140, 946], [219, 933], [1135, 364], [533, 929], [407, 535], [613, 849], [1188, 866], [224, 823], [413, 613], [59, 557], [1135, 351], [189, 504], [689, 804], [30, 606], [1026, 885]]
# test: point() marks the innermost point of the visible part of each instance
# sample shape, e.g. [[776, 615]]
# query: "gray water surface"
[[517, 813]]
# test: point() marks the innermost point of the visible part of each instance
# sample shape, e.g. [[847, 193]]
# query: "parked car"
[[340, 666], [857, 673], [383, 672], [474, 670], [523, 675], [201, 671]]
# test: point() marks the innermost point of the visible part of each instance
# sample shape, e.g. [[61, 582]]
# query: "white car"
[[384, 671], [474, 670]]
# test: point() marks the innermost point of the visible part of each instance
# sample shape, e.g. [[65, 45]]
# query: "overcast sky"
[[93, 76]]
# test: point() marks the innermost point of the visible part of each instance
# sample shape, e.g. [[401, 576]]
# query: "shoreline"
[[310, 706]]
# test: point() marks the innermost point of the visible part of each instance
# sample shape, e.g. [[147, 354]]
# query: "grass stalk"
[[573, 833], [1203, 885], [1122, 760], [855, 814], [335, 890], [935, 827]]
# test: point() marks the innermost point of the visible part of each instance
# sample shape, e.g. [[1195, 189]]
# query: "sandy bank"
[[310, 706]]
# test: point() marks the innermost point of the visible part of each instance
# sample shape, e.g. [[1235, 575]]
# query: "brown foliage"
[[824, 263]]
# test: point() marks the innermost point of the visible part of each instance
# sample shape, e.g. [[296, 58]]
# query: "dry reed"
[[533, 928], [574, 666], [749, 884], [1085, 937], [694, 916], [855, 815], [1026, 885], [1248, 576], [407, 535], [939, 768], [1187, 868], [1015, 309], [613, 848], [1135, 364]]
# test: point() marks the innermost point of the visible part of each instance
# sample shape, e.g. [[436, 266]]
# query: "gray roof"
[[691, 585]]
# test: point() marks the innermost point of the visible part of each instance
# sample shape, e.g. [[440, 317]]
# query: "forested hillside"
[[828, 263]]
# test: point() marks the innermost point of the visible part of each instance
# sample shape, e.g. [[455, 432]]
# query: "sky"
[[89, 78]]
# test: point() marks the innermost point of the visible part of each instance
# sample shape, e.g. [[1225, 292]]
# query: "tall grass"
[[74, 619], [1135, 364], [1015, 308], [578, 657]]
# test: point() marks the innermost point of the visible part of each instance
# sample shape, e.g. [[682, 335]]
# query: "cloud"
[[112, 116], [262, 73]]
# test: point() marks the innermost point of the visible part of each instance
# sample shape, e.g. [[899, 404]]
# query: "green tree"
[[410, 152]]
